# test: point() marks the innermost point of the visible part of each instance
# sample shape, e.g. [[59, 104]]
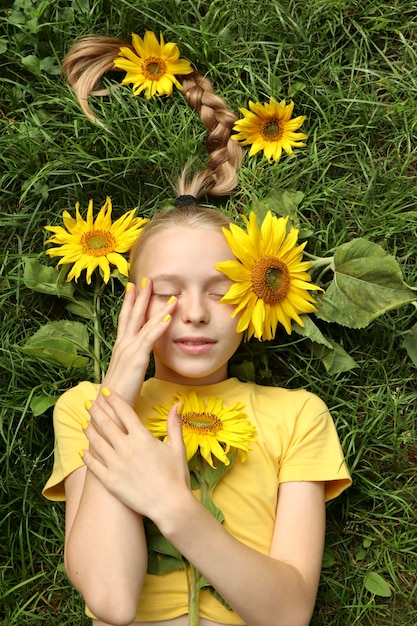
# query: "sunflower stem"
[[97, 331], [194, 575], [193, 596], [320, 262]]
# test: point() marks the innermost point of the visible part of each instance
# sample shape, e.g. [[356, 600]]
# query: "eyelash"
[[177, 295]]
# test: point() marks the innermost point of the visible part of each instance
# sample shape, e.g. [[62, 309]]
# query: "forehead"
[[184, 249]]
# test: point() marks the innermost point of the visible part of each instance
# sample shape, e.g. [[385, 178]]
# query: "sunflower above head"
[[208, 427], [89, 244], [269, 127], [152, 67], [270, 279]]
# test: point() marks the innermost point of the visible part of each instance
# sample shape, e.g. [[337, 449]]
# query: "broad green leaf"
[[40, 404], [377, 585], [214, 510], [163, 557], [45, 279], [410, 344], [32, 63], [59, 343], [281, 202], [220, 599], [244, 370], [81, 307], [367, 283], [311, 331], [163, 564], [212, 475], [58, 354], [360, 554], [335, 359]]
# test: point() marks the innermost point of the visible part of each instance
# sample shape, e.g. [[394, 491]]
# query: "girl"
[[265, 559]]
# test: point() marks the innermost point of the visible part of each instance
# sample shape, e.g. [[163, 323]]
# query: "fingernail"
[[88, 404], [144, 282], [129, 287], [166, 318], [171, 300], [84, 424], [180, 408], [81, 453], [106, 391]]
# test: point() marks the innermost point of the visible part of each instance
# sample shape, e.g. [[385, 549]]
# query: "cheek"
[[230, 323]]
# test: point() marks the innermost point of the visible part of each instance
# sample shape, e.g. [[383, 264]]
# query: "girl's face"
[[201, 336]]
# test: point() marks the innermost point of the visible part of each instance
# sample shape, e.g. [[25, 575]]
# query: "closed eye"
[[217, 296], [165, 295]]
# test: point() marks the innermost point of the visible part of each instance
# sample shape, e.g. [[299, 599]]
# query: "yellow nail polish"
[[144, 282], [81, 453], [106, 391], [84, 424], [129, 287], [180, 408], [88, 404], [166, 318], [171, 300]]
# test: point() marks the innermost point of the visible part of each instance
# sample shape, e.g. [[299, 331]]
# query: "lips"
[[194, 345]]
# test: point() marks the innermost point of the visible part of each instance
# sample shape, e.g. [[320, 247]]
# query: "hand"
[[134, 342], [144, 473]]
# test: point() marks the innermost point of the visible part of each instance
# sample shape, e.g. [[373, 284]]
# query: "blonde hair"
[[192, 216], [89, 59]]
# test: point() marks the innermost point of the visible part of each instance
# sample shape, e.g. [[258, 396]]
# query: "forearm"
[[264, 591], [105, 553]]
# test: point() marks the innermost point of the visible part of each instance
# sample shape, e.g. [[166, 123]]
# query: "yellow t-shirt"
[[296, 440]]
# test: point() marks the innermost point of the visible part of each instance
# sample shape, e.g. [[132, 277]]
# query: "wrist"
[[178, 515]]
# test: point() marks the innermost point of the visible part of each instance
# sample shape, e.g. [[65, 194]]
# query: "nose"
[[194, 308]]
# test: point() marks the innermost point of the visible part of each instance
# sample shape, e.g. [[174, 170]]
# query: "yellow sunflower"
[[270, 280], [95, 244], [154, 65], [269, 127], [208, 427]]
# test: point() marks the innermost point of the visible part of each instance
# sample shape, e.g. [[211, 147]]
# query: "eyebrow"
[[212, 279]]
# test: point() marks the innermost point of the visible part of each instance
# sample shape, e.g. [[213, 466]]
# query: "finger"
[[174, 427], [133, 312], [127, 306], [94, 465], [125, 413], [99, 447], [103, 421], [136, 350]]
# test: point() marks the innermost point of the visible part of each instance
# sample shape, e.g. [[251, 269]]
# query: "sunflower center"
[[270, 279], [202, 423], [154, 68], [272, 130], [98, 243]]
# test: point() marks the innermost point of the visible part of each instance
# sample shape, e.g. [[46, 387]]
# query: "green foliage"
[[351, 68]]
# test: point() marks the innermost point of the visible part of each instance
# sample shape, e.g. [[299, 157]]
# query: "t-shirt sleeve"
[[314, 452], [69, 414]]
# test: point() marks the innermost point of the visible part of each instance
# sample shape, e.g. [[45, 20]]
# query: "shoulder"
[[72, 401], [295, 401]]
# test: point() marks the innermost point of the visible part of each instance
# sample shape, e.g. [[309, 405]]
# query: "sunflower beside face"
[[209, 428], [269, 127], [270, 279], [95, 244], [153, 66]]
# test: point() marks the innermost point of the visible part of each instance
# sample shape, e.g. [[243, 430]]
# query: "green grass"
[[351, 68]]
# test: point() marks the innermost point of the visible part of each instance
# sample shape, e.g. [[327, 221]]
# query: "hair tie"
[[185, 200]]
